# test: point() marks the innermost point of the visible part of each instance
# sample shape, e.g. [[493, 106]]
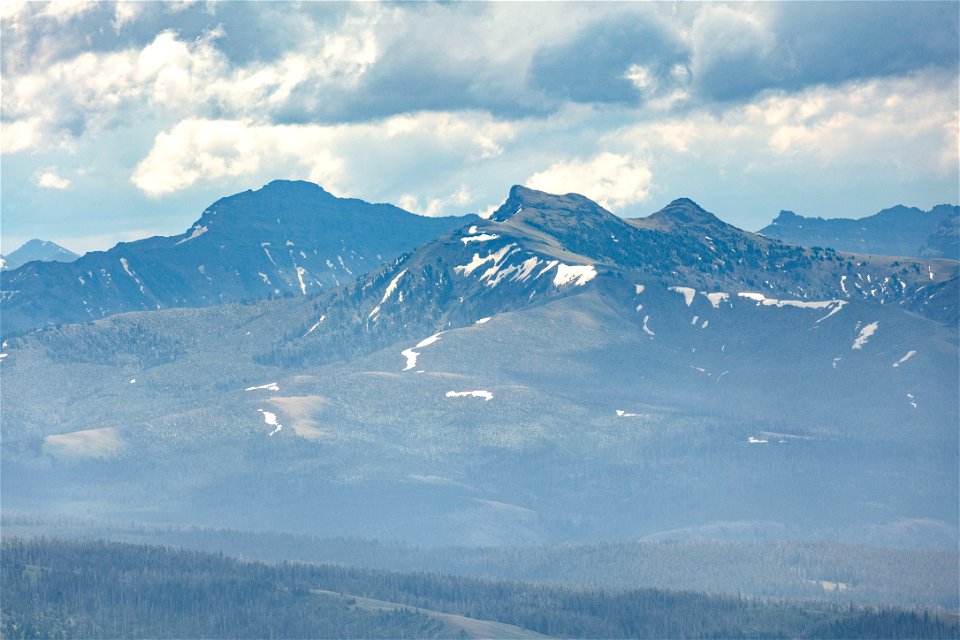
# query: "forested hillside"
[[60, 589], [786, 569]]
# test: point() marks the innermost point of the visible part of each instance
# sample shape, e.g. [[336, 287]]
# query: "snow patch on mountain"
[[519, 272], [716, 298], [264, 245], [839, 304], [550, 265], [271, 419], [865, 334], [687, 292], [761, 299], [496, 258], [411, 357], [483, 237], [525, 269], [270, 386], [315, 325], [579, 275], [647, 329], [909, 355], [426, 342], [126, 267], [386, 295], [303, 286], [486, 395], [197, 232]]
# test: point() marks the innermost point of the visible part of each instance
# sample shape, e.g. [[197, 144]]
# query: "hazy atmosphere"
[[126, 120], [480, 320]]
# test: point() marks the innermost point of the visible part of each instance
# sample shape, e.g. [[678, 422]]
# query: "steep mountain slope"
[[42, 250], [286, 238], [898, 231], [554, 373]]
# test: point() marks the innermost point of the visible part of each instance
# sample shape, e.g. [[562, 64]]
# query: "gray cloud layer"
[[444, 105], [463, 56]]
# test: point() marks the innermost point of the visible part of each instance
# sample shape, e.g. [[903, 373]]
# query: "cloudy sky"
[[125, 120]]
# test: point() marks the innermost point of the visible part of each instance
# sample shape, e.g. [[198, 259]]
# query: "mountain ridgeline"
[[554, 374], [898, 231], [538, 246], [286, 238]]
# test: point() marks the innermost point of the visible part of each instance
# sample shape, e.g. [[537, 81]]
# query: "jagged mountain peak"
[[786, 215], [523, 199]]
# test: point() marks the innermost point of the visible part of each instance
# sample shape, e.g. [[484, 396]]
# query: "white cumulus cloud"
[[907, 122], [346, 158], [125, 13], [48, 179], [611, 179], [455, 203]]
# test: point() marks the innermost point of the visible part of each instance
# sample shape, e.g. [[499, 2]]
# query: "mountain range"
[[286, 238], [552, 374], [898, 231], [42, 250]]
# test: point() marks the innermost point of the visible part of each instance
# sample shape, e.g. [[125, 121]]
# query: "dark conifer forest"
[[59, 589]]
